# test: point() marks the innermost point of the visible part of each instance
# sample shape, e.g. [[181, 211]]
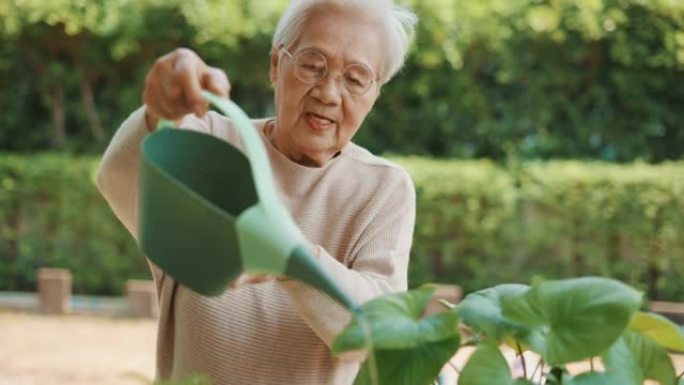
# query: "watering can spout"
[[304, 267], [271, 243]]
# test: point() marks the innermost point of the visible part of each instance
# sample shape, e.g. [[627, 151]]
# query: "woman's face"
[[314, 121]]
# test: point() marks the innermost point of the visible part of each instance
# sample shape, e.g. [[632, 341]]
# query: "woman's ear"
[[275, 62]]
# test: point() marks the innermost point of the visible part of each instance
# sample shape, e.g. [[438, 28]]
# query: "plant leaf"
[[636, 358], [418, 366], [594, 378], [482, 312], [522, 381], [487, 366], [395, 323], [408, 350], [660, 329], [573, 319]]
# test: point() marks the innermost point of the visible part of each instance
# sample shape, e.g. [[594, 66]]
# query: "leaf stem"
[[453, 366], [679, 377], [591, 364], [540, 363], [446, 304], [522, 358]]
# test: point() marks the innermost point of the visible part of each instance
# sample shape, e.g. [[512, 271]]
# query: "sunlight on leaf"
[[658, 328]]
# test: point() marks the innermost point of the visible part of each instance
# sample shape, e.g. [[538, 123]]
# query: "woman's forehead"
[[342, 36]]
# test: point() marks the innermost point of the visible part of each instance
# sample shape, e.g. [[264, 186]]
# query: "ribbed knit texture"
[[358, 211]]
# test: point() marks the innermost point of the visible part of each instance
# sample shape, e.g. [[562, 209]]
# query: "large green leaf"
[[636, 358], [594, 379], [395, 323], [659, 329], [622, 363], [488, 366], [417, 366], [481, 311], [573, 319], [408, 350]]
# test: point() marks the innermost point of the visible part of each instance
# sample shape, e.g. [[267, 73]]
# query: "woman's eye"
[[354, 81], [311, 67]]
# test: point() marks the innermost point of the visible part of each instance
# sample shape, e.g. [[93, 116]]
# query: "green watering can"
[[208, 213]]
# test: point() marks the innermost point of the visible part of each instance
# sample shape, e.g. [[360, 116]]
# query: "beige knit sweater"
[[358, 210]]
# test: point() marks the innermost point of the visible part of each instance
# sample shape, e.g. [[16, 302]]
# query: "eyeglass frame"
[[294, 56]]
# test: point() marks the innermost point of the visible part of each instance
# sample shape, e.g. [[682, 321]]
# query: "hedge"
[[478, 223], [485, 79], [52, 215]]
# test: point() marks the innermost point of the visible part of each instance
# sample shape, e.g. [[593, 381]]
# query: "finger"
[[214, 80], [246, 279], [158, 104], [160, 96], [188, 75], [241, 280], [260, 278]]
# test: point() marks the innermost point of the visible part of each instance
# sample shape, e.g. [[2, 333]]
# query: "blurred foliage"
[[51, 214], [491, 78], [478, 224]]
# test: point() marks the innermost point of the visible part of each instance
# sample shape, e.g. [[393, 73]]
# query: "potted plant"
[[581, 319]]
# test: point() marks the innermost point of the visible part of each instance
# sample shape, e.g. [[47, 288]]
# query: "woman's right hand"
[[174, 84]]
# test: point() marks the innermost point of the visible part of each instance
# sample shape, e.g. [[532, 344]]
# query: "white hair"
[[398, 22]]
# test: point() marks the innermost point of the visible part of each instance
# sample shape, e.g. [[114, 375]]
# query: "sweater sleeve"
[[378, 266], [117, 175], [119, 170]]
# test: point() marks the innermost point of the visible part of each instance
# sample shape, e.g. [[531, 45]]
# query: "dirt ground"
[[75, 350], [37, 349]]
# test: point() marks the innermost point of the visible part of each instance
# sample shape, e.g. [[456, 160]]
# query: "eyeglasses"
[[311, 67]]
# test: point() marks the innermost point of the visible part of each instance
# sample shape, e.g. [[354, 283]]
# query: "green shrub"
[[488, 78], [478, 224], [52, 215]]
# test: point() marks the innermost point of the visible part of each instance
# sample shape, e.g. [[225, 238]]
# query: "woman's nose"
[[329, 88]]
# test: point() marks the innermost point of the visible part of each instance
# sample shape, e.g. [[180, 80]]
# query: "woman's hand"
[[245, 279], [174, 84]]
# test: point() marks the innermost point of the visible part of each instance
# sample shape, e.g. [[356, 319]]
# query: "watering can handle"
[[254, 147], [287, 238]]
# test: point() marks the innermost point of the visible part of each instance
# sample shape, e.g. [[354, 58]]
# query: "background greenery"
[[478, 224], [489, 78], [517, 82]]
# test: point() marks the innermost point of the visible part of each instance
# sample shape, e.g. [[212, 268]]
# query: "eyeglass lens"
[[311, 67]]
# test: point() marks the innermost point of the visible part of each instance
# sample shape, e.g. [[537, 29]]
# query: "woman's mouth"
[[319, 122]]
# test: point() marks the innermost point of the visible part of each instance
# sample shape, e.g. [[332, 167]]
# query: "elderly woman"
[[328, 63]]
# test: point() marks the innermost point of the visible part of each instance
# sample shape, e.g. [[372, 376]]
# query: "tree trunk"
[[90, 109], [58, 122]]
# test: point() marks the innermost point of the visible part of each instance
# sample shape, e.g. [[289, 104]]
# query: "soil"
[[75, 350]]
